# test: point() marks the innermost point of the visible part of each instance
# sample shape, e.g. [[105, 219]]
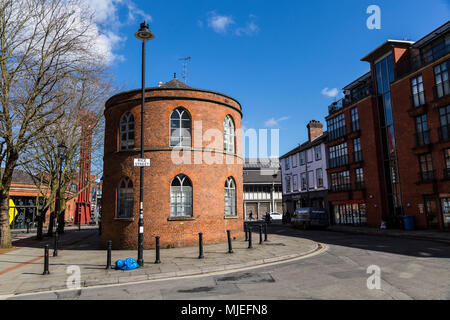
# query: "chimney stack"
[[315, 130]]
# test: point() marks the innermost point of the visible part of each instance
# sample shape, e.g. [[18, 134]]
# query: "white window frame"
[[126, 127]]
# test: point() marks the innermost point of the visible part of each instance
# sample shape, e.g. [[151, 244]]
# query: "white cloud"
[[249, 30], [272, 122], [219, 23], [107, 11], [330, 92], [107, 24], [222, 24], [134, 13]]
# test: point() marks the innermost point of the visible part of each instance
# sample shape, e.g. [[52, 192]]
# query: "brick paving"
[[21, 269]]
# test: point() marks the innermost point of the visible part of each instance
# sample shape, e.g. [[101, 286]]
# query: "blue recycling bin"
[[409, 222]]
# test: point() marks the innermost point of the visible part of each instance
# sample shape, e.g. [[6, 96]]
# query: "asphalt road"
[[410, 269]]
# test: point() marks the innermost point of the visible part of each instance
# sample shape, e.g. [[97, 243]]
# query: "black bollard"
[[265, 232], [55, 244], [260, 234], [250, 238], [108, 255], [230, 248], [200, 245], [46, 260], [28, 226], [157, 261]]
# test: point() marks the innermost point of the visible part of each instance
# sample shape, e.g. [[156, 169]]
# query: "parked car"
[[310, 217], [275, 216]]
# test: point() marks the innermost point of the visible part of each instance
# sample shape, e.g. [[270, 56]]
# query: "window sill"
[[230, 217], [128, 151], [181, 219], [124, 219]]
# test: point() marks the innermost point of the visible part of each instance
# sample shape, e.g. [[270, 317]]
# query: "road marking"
[[20, 265], [2, 251]]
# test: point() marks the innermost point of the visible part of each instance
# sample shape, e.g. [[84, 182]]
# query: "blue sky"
[[276, 58]]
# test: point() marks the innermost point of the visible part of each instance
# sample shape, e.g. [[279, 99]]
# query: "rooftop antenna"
[[186, 60]]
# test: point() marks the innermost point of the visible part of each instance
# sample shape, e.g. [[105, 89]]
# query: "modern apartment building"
[[389, 138], [304, 172]]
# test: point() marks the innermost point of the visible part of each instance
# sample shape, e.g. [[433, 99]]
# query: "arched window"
[[125, 199], [228, 131], [181, 197], [230, 197], [126, 132], [180, 128]]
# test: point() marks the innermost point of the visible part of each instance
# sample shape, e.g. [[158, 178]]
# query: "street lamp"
[[61, 155], [144, 34], [274, 176]]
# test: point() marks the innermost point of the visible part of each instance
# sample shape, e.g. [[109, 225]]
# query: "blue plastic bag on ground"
[[126, 265]]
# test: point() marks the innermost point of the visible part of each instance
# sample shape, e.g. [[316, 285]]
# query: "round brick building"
[[195, 182]]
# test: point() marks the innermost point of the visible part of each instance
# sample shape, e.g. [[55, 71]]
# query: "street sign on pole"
[[142, 162]]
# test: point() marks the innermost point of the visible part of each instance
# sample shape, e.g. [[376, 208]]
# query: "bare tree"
[[84, 100], [42, 43]]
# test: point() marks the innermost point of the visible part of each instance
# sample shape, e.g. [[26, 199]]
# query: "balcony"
[[341, 188], [350, 99], [337, 133], [444, 133], [427, 176], [423, 139], [419, 61], [441, 90], [339, 161]]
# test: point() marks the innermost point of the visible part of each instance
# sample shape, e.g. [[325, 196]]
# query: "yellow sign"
[[12, 211]]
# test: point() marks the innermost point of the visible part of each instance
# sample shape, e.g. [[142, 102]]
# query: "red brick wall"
[[208, 180], [413, 191], [371, 151]]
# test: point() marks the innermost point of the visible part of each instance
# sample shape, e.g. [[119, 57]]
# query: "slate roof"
[[259, 177], [175, 84], [255, 163], [307, 145], [260, 171], [20, 176]]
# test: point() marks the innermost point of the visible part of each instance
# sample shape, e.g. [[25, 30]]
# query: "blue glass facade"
[[384, 70]]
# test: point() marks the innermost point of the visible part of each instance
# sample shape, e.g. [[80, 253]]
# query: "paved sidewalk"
[[432, 235], [21, 269]]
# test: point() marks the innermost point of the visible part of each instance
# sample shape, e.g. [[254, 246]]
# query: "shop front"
[[22, 210], [352, 213]]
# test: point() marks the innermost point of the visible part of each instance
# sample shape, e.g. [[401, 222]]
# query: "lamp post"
[[274, 176], [144, 34], [61, 155]]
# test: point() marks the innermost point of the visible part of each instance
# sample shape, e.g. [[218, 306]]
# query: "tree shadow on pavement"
[[86, 239], [380, 243]]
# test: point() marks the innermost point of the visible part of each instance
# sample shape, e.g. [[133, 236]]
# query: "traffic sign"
[[142, 162]]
